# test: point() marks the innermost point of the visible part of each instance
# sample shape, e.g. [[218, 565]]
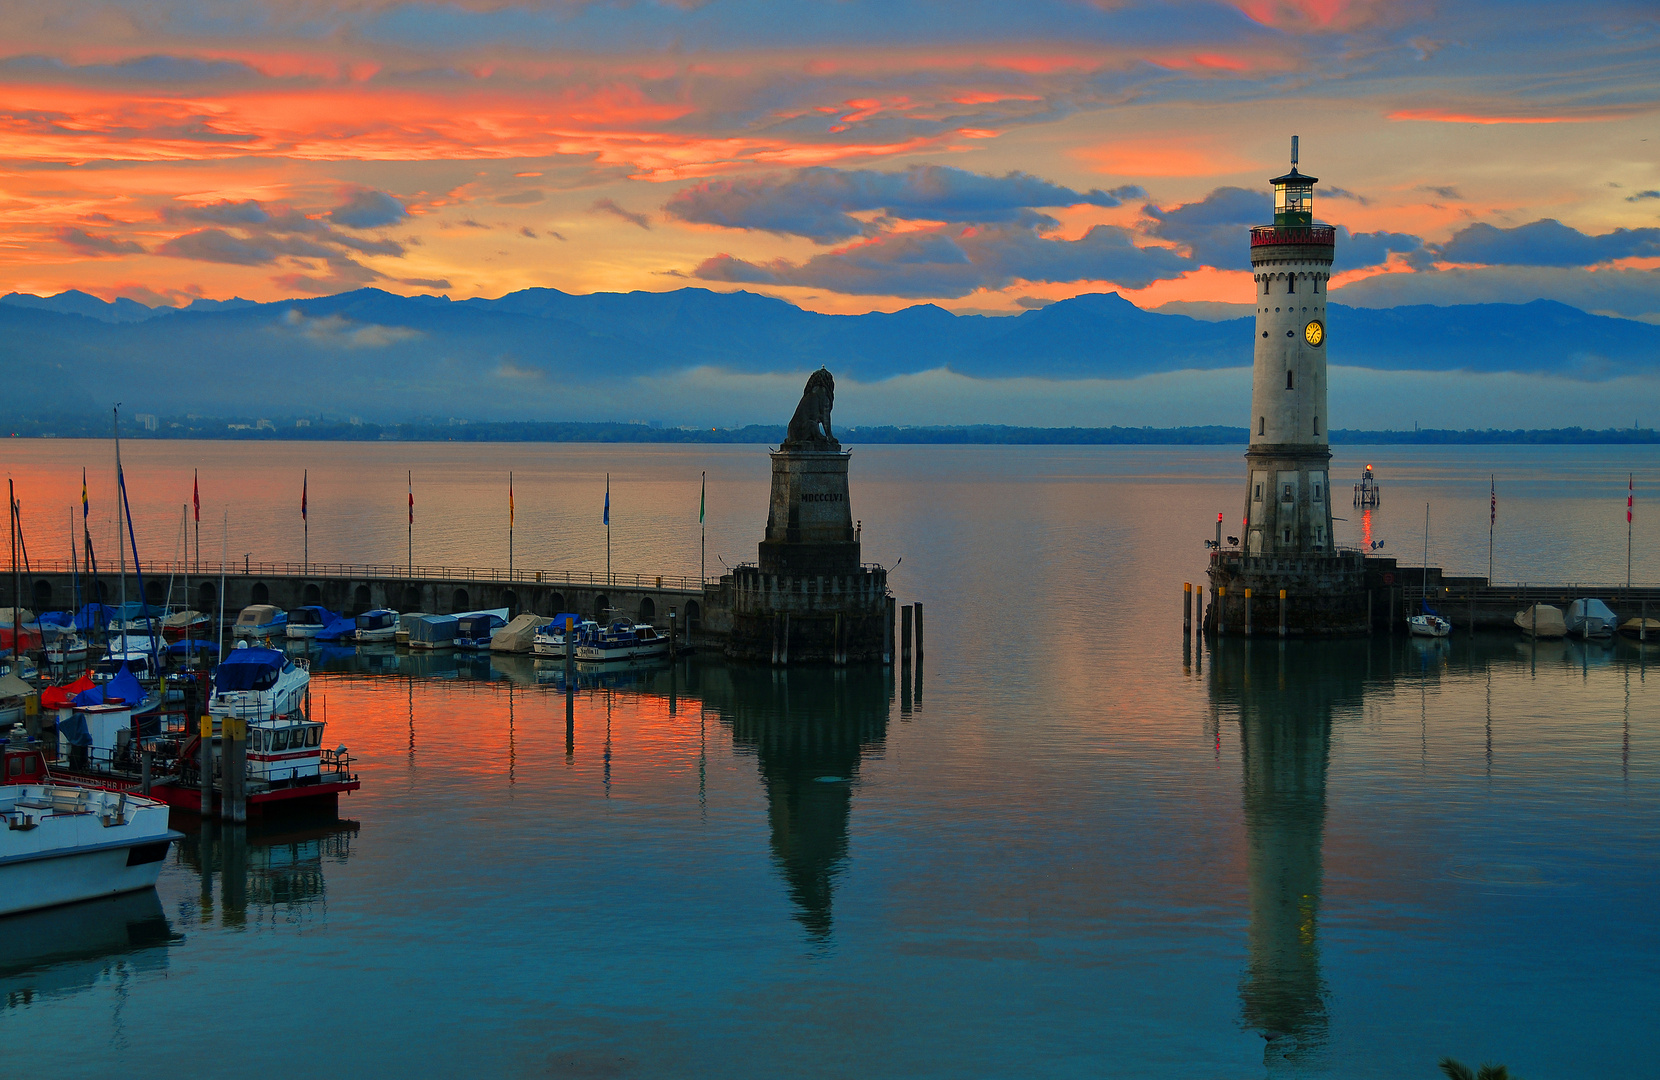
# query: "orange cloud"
[[1174, 156], [1443, 116]]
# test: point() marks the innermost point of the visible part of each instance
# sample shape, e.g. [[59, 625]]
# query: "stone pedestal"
[[810, 519], [808, 599]]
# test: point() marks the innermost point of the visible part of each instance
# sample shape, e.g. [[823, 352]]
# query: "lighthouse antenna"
[[1293, 151]]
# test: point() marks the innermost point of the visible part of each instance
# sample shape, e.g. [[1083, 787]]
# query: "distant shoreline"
[[255, 430]]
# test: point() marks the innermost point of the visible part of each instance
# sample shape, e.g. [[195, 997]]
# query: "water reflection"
[[266, 872], [1284, 697], [65, 950], [808, 730]]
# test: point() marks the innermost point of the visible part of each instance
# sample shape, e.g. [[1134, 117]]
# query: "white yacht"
[[259, 683], [549, 642], [65, 842], [622, 640]]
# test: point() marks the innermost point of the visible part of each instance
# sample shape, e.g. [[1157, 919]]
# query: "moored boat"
[[1590, 617], [255, 683], [433, 632], [66, 842], [622, 640], [1428, 624], [517, 636], [380, 624], [550, 640], [475, 629], [66, 648], [1645, 629], [1542, 620], [406, 623], [260, 621], [187, 624], [304, 622]]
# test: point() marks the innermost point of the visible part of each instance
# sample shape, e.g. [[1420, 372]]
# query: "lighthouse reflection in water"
[[1284, 726]]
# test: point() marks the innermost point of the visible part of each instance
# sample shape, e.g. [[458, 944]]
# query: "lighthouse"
[[1288, 577], [1288, 498]]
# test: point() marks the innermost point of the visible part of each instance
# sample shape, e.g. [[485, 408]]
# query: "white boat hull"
[[302, 632], [600, 654], [548, 650], [1429, 626], [369, 637], [68, 857], [258, 633]]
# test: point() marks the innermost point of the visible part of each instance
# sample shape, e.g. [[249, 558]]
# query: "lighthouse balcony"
[[1264, 235]]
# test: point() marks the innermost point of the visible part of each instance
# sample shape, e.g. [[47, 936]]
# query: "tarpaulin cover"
[[124, 686], [13, 687], [323, 616], [248, 669], [185, 648], [91, 696], [94, 616], [74, 730], [337, 629], [57, 618], [60, 697]]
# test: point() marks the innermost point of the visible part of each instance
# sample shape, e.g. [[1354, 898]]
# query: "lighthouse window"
[[1317, 431], [1316, 492], [1286, 495], [1288, 535], [1291, 284], [1258, 495], [1316, 284], [1262, 425], [1289, 385]]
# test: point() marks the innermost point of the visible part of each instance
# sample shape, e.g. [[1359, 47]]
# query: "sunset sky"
[[846, 156]]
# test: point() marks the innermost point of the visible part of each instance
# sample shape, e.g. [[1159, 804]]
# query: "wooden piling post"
[[1187, 608], [785, 643], [674, 640], [887, 632], [776, 619], [1221, 610], [904, 633], [1247, 611], [207, 765], [145, 754], [918, 606], [1282, 611], [839, 657], [1642, 622]]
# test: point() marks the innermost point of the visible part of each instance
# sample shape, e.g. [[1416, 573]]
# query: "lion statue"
[[810, 426]]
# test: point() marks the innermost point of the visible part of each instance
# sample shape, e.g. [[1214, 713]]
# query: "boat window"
[[14, 767], [313, 735], [256, 739], [279, 740], [28, 766]]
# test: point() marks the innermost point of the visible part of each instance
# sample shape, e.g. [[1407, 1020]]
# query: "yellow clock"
[[1314, 333]]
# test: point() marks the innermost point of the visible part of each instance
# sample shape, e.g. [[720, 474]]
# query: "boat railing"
[[403, 571]]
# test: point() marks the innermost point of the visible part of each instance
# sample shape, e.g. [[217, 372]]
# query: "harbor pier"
[[1349, 594]]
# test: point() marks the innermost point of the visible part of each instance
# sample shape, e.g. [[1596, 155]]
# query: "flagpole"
[[411, 478], [196, 510], [608, 530], [703, 529], [510, 525], [305, 517], [1493, 516], [1630, 497]]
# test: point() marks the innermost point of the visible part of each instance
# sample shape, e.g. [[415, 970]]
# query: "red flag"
[[1630, 495], [1493, 509], [412, 499], [305, 484], [196, 494]]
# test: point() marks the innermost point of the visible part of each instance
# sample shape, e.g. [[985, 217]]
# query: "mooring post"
[[239, 774], [674, 640], [1187, 608], [1282, 611], [904, 633], [918, 606], [207, 766], [776, 619], [227, 744], [887, 632], [1221, 610], [839, 656], [1642, 622], [144, 756], [1247, 611], [785, 643]]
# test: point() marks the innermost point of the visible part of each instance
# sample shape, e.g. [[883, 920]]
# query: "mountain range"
[[548, 355]]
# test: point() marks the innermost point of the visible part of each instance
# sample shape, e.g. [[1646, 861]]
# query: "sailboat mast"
[[17, 582], [1423, 599], [120, 541]]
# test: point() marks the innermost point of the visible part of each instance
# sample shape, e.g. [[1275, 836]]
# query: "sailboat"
[[1427, 623]]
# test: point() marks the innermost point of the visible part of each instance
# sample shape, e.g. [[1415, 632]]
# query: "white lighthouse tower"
[[1288, 501]]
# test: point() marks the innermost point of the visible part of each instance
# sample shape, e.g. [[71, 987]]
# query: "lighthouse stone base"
[[1326, 594]]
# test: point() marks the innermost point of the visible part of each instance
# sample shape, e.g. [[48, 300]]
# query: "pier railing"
[[617, 579]]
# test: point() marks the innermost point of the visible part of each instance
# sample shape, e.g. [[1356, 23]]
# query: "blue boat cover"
[[324, 615], [185, 648], [94, 616], [94, 696], [56, 618], [337, 629], [74, 729], [246, 669], [125, 686]]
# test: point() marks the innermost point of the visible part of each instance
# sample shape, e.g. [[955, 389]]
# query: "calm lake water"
[[1062, 844]]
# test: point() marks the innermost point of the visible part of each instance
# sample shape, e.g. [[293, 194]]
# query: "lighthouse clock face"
[[1314, 333]]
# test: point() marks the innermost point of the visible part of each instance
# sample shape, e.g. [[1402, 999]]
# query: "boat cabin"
[[258, 619], [21, 761], [311, 615], [282, 752], [258, 682], [434, 632]]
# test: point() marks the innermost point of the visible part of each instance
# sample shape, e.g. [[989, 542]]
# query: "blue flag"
[[605, 519]]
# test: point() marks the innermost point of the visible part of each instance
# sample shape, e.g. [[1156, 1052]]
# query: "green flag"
[[703, 498]]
